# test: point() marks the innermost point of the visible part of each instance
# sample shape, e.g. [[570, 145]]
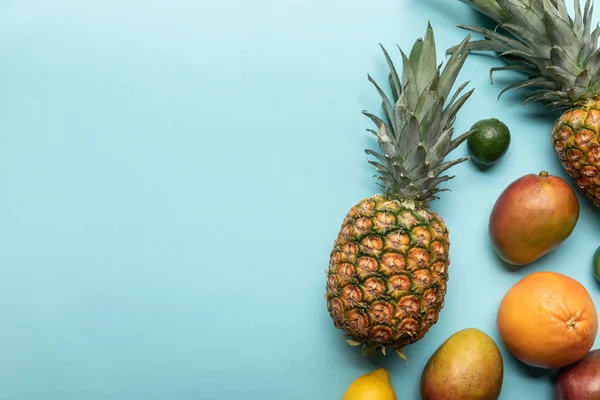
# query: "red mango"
[[532, 216]]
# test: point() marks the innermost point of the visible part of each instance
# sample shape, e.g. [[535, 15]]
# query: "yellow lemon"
[[371, 386]]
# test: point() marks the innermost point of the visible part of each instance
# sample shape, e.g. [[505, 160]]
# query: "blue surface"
[[173, 175]]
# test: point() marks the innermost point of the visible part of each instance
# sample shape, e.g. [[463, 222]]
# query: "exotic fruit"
[[560, 57], [534, 215], [580, 380], [468, 365], [388, 268]]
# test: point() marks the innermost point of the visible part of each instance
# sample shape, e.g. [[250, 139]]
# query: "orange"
[[547, 320]]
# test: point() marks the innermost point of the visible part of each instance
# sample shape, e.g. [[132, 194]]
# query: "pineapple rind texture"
[[576, 141], [387, 275]]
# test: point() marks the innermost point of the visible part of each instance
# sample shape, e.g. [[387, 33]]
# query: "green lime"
[[597, 264], [489, 142]]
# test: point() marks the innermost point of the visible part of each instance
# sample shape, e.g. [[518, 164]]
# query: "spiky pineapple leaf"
[[352, 342], [523, 13], [529, 38], [453, 109], [538, 82], [401, 355], [498, 37], [409, 79], [441, 146], [481, 45], [388, 108], [394, 78], [593, 62], [458, 91], [519, 68], [561, 34], [453, 67], [409, 135], [429, 122], [488, 7], [583, 79], [578, 21], [561, 8], [425, 106], [459, 140], [425, 61], [368, 350]]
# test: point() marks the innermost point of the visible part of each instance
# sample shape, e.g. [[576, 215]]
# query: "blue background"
[[172, 177]]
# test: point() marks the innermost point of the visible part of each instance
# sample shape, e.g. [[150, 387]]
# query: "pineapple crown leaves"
[[416, 135], [558, 53]]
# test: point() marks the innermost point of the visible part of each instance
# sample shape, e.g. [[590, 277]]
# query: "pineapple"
[[561, 61], [388, 268]]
